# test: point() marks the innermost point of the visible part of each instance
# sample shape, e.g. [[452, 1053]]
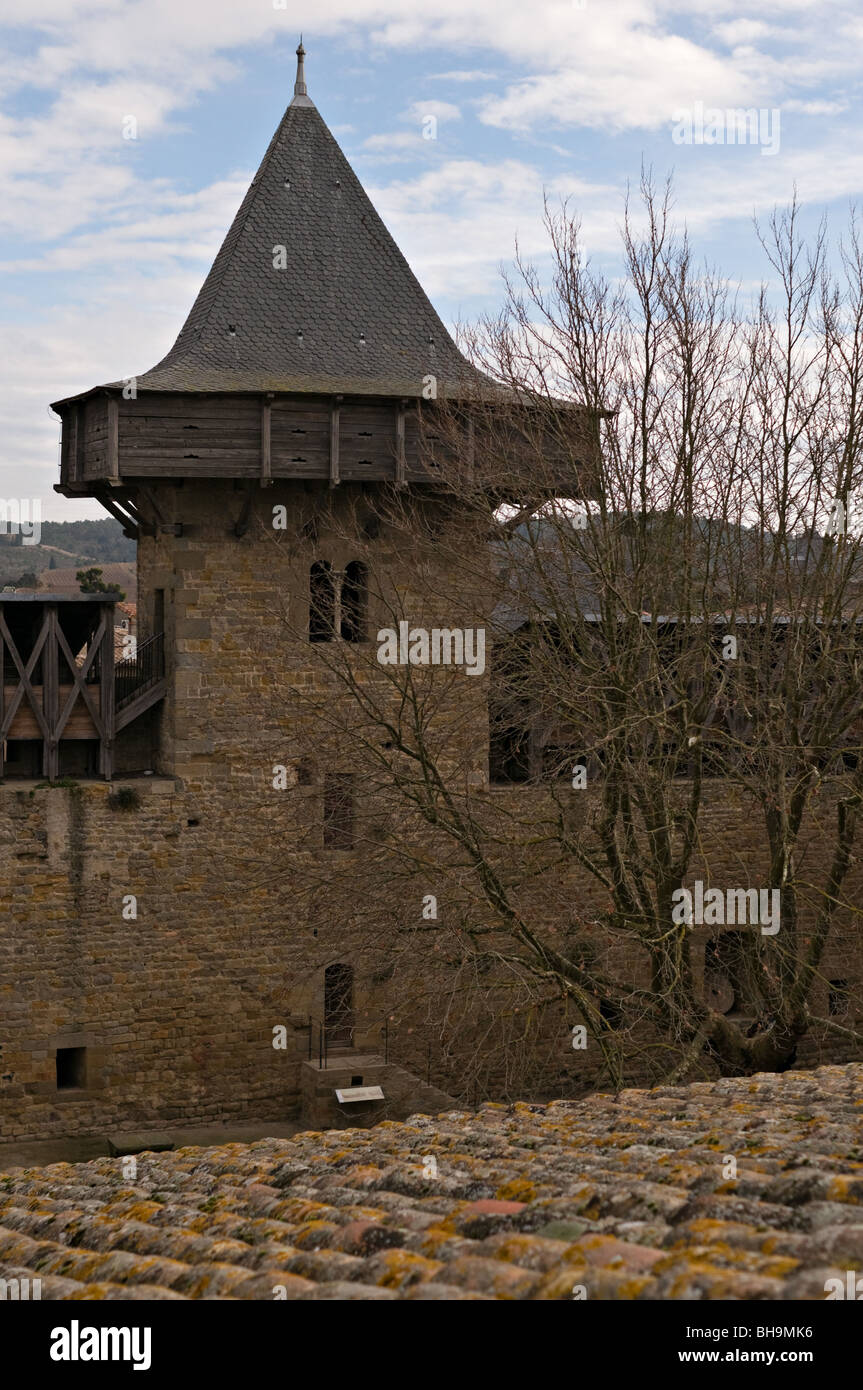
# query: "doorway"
[[339, 1005]]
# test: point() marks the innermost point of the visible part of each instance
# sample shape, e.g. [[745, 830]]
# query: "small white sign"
[[360, 1093]]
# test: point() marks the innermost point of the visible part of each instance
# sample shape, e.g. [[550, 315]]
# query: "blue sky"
[[104, 241]]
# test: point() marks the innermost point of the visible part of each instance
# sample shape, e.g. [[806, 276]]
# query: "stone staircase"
[[404, 1092]]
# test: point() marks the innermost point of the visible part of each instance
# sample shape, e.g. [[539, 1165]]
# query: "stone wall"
[[176, 1008]]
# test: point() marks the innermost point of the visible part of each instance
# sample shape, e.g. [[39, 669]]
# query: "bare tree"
[[650, 516]]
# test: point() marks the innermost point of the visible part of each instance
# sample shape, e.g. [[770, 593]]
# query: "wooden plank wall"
[[93, 433], [367, 441], [301, 439], [25, 724], [166, 435], [199, 438]]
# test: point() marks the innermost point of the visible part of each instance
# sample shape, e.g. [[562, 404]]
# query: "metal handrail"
[[324, 1040], [136, 673], [323, 1044]]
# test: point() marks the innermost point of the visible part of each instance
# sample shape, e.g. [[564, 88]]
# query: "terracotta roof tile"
[[623, 1196]]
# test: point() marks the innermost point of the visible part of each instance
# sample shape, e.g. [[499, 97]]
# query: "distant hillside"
[[98, 540], [67, 545], [122, 575]]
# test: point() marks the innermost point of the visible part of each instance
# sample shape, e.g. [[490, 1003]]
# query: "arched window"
[[322, 602], [838, 998], [728, 966], [354, 590]]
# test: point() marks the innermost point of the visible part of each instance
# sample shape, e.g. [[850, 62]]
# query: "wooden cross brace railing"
[[8, 712], [50, 717]]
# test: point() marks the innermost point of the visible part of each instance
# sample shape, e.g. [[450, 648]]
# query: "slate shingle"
[[340, 281]]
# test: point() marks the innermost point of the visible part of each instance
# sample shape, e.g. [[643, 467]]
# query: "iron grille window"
[[838, 998], [339, 811]]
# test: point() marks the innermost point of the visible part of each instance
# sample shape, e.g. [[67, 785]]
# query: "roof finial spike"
[[300, 89]]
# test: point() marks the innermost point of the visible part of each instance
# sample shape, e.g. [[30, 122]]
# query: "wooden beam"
[[2, 704], [129, 505], [113, 440], [51, 697], [25, 685], [73, 445], [80, 674], [266, 450], [166, 527], [334, 442], [80, 440], [400, 445], [140, 704], [69, 453], [106, 693], [130, 526], [79, 724], [45, 701], [64, 443]]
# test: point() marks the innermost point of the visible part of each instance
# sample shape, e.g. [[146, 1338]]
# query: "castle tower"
[[303, 367], [167, 941]]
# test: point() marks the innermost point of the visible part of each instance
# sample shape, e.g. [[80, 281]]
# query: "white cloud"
[[441, 110], [152, 225], [724, 188], [458, 223], [129, 326], [463, 75], [619, 90], [407, 142], [427, 118], [78, 206], [816, 108], [741, 31]]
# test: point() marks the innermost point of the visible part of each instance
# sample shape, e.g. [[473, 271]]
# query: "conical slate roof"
[[309, 292]]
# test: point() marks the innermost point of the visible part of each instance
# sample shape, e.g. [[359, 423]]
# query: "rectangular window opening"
[[339, 811], [71, 1068]]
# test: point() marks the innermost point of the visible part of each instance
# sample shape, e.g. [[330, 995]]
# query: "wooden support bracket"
[[132, 524], [166, 528]]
